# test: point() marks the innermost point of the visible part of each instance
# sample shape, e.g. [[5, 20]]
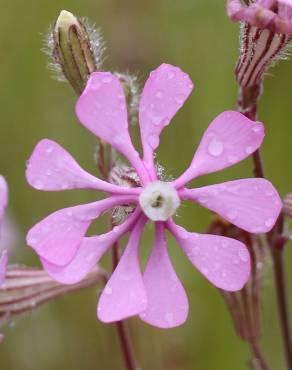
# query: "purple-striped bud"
[[27, 288], [265, 33]]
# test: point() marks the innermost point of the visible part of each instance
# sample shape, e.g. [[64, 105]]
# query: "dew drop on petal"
[[159, 94], [231, 214], [170, 75], [153, 141], [38, 185], [179, 98], [249, 149], [108, 290], [257, 128], [269, 222], [232, 158], [107, 79], [49, 149], [243, 255], [215, 147]]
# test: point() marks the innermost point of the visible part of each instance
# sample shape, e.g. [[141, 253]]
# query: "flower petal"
[[51, 167], [124, 295], [89, 253], [102, 109], [164, 93], [229, 139], [167, 301], [225, 262], [57, 238], [251, 204], [3, 196], [3, 265]]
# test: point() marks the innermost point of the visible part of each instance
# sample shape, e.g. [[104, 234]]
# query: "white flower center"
[[159, 201]]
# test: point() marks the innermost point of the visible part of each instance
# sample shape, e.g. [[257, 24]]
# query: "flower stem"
[[258, 355], [248, 99], [280, 281]]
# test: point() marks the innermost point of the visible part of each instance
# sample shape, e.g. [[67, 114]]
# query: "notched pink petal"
[[124, 295], [3, 196], [225, 262], [88, 255], [229, 139], [102, 109], [57, 238], [52, 168], [3, 265], [167, 301], [163, 95], [251, 204]]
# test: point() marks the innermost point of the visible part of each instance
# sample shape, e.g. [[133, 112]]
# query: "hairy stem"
[[248, 100], [280, 281]]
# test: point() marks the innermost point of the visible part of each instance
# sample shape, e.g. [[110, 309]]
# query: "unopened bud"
[[265, 34], [76, 50], [26, 288]]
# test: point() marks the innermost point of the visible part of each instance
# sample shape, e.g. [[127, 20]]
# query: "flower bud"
[[26, 288], [265, 33], [76, 50]]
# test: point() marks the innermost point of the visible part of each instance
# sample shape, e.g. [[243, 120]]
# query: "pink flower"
[[275, 15], [3, 205], [156, 294]]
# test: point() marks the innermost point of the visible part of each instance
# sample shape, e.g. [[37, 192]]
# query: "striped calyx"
[[260, 48]]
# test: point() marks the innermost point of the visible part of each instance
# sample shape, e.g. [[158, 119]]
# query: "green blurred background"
[[197, 36]]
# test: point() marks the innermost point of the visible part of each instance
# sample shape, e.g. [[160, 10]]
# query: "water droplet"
[[179, 98], [49, 172], [96, 85], [169, 318], [32, 241], [170, 75], [243, 255], [257, 128], [232, 158], [38, 185], [225, 243], [107, 79], [108, 290], [249, 149], [184, 235], [231, 214], [153, 141], [159, 94], [215, 147], [269, 222], [49, 149], [269, 193], [260, 265], [203, 200], [205, 271]]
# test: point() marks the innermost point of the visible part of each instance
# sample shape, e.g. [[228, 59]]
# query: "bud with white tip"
[[76, 50]]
